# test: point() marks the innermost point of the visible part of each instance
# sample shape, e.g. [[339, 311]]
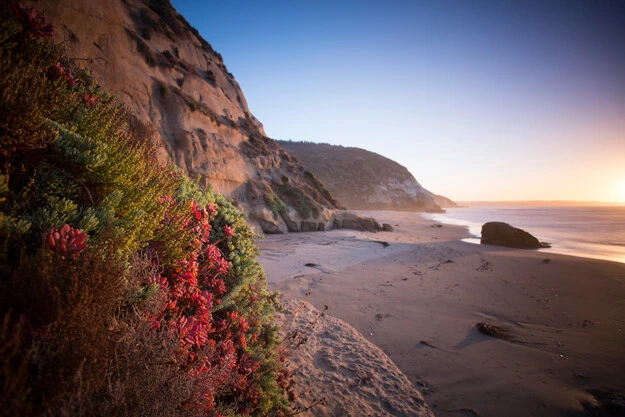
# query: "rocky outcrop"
[[267, 226], [363, 180], [161, 68], [369, 224], [290, 224], [502, 234], [308, 226], [348, 220]]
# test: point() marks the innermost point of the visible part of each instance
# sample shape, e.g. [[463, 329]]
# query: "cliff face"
[[363, 180], [159, 66]]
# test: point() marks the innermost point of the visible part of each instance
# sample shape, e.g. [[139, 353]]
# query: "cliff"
[[363, 180], [171, 78]]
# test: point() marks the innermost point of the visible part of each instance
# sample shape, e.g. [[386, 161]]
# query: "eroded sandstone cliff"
[[160, 67]]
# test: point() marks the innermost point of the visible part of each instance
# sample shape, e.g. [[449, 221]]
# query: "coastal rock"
[[351, 224], [491, 330], [308, 226], [346, 220], [502, 234], [267, 226], [321, 227], [387, 227], [290, 224], [369, 224], [349, 220]]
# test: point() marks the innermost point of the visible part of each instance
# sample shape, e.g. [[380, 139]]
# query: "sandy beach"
[[418, 292]]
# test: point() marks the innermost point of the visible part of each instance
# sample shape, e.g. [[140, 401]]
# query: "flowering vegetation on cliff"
[[125, 289], [66, 241], [32, 22]]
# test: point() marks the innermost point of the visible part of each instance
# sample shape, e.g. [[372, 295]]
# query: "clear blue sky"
[[480, 100]]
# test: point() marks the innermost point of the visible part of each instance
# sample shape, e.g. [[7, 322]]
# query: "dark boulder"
[[502, 234], [268, 227], [387, 227], [308, 226], [369, 224], [354, 222], [321, 227], [351, 224]]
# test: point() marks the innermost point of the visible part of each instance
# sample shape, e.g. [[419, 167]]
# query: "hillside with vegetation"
[[364, 180], [125, 289]]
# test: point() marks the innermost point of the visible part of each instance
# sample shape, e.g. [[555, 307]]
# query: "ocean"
[[591, 232]]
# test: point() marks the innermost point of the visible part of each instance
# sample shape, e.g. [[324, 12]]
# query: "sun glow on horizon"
[[621, 191]]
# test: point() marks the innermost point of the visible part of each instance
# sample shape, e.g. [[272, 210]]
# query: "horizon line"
[[543, 201]]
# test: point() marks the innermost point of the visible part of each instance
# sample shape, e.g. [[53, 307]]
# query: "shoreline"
[[420, 297], [568, 247]]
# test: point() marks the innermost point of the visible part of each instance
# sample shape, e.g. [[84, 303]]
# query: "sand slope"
[[420, 298], [337, 364]]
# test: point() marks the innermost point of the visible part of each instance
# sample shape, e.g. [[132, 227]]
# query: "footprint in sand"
[[485, 266]]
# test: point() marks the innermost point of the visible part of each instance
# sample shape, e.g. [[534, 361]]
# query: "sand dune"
[[419, 300], [338, 365]]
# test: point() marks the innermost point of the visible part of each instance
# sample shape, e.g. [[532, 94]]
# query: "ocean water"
[[591, 232]]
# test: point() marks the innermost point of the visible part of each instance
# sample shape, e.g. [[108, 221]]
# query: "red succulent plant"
[[214, 340], [228, 231], [32, 22], [56, 71], [66, 241], [89, 100]]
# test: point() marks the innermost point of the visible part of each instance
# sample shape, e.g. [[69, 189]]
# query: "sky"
[[479, 99]]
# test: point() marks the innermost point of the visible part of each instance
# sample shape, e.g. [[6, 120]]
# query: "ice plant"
[[211, 208], [56, 71], [32, 23], [214, 341], [66, 241], [228, 231], [89, 100], [216, 260]]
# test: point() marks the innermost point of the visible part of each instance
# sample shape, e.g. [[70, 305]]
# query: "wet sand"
[[418, 292]]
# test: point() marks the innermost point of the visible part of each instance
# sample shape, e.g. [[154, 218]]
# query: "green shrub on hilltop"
[[124, 288]]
